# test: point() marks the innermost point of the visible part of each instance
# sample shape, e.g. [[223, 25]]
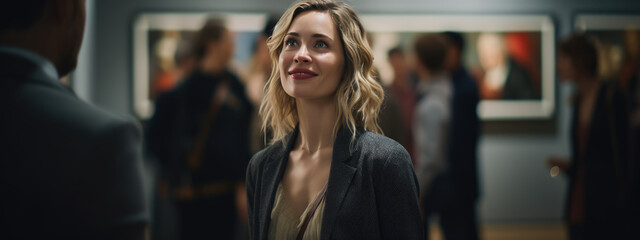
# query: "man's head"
[[51, 28], [213, 46], [20, 15], [431, 52], [577, 57], [396, 57], [398, 63]]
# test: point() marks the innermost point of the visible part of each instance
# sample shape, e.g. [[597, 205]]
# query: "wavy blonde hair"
[[358, 96]]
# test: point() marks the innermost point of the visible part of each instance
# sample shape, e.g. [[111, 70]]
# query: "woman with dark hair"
[[326, 173]]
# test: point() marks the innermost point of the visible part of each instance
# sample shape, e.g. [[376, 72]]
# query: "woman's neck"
[[317, 122]]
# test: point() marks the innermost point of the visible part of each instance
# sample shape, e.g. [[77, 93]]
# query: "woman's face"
[[312, 58]]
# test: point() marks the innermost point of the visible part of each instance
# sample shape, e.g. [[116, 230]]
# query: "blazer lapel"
[[274, 169], [340, 177]]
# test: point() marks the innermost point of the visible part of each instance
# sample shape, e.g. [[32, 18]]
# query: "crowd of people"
[[307, 144]]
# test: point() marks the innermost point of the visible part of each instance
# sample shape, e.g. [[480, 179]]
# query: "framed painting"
[[617, 39], [499, 50], [161, 42]]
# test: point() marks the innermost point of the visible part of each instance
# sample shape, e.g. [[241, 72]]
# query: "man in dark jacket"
[[454, 191], [69, 170], [199, 138]]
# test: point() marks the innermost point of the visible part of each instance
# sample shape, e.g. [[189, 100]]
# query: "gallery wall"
[[515, 183]]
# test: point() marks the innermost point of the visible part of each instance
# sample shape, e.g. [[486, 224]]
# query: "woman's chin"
[[301, 93]]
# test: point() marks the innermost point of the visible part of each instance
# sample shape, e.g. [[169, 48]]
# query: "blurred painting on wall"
[[511, 57], [617, 39], [162, 54]]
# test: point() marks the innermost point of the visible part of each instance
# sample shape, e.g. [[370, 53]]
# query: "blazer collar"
[[340, 176], [274, 169], [343, 167]]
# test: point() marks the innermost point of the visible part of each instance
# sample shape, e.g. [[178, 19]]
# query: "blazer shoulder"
[[382, 150], [263, 155], [260, 156]]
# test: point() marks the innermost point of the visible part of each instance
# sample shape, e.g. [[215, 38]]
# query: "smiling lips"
[[301, 74]]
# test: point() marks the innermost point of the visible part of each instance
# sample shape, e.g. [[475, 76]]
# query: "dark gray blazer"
[[372, 192], [69, 170]]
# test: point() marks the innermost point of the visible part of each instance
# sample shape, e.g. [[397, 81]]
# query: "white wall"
[[516, 185]]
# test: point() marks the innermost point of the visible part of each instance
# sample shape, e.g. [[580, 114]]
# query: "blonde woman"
[[327, 174]]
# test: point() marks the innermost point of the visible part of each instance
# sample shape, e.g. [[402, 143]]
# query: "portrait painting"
[[510, 57]]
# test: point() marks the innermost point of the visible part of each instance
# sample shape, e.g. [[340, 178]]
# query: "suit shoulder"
[[54, 108]]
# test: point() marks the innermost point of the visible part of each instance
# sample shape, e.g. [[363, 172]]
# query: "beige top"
[[285, 225]]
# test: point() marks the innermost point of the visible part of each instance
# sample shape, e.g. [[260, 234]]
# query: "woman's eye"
[[321, 44], [290, 42]]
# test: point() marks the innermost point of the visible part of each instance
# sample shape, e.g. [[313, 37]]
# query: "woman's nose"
[[302, 56]]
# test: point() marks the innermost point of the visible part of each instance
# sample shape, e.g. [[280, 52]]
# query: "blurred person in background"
[[69, 170], [258, 73], [598, 203], [630, 84], [164, 213], [199, 137], [464, 132], [390, 116], [447, 176], [405, 94]]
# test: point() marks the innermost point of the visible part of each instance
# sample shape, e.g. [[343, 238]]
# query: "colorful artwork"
[[510, 57]]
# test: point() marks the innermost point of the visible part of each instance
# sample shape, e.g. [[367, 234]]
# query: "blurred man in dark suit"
[[464, 134], [69, 170], [448, 121], [198, 137]]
